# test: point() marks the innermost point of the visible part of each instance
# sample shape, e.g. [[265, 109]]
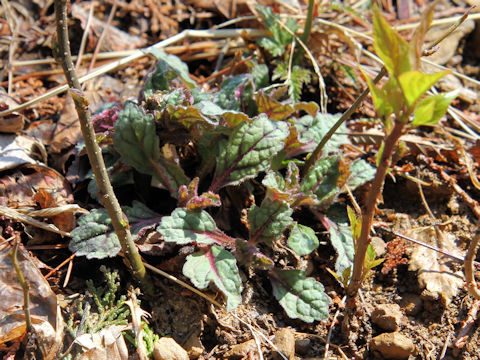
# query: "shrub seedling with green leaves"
[[401, 103]]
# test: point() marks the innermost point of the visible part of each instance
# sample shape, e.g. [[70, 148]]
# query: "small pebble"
[[389, 317], [379, 245], [412, 304], [302, 346], [240, 350], [285, 342], [394, 346], [167, 349]]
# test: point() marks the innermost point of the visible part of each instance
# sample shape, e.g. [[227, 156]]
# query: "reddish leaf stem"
[[367, 219]]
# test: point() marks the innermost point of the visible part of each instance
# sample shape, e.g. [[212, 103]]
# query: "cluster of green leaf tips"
[[240, 135], [102, 307]]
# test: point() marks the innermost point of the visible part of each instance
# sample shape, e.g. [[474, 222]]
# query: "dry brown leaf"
[[46, 316], [15, 121], [108, 343], [435, 271]]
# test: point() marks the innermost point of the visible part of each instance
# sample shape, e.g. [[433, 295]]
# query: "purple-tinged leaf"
[[311, 131], [273, 109], [220, 266], [94, 236], [185, 193], [248, 151], [361, 172], [337, 224], [185, 227], [293, 146], [268, 221], [301, 297], [323, 178], [287, 189], [189, 198], [250, 255]]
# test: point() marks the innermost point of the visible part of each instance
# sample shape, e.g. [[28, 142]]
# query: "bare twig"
[[467, 325], [468, 267], [119, 222]]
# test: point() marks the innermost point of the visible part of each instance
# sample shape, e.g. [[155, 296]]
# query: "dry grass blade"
[[212, 34], [13, 214]]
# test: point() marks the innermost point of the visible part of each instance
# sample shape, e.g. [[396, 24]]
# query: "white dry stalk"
[[211, 34]]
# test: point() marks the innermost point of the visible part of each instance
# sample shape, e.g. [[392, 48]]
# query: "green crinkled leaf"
[[172, 63], [260, 75], [94, 236], [248, 151], [301, 297], [390, 46], [170, 175], [184, 227], [312, 129], [268, 221], [415, 84], [322, 178], [341, 237], [361, 172], [220, 266], [431, 109], [302, 239], [135, 138]]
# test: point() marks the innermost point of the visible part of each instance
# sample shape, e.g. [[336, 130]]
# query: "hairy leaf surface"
[[268, 221], [341, 237], [184, 227], [94, 236], [311, 131], [322, 178], [302, 239], [220, 266], [248, 151], [301, 297]]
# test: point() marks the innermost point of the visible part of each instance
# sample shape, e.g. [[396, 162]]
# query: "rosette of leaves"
[[240, 135]]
